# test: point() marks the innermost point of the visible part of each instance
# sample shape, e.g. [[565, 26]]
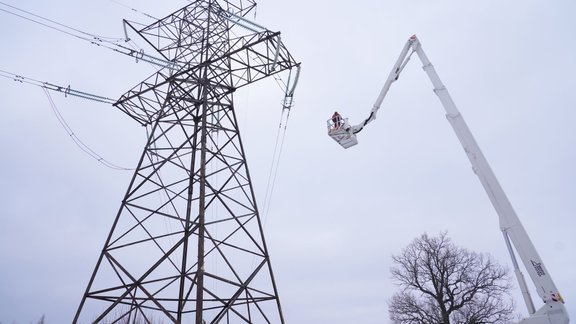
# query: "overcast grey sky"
[[336, 215]]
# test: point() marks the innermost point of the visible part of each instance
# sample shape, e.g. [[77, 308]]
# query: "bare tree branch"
[[442, 283]]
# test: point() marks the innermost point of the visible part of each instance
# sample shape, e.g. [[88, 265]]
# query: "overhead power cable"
[[49, 86], [135, 10], [287, 104], [112, 43], [67, 91], [75, 138], [50, 24]]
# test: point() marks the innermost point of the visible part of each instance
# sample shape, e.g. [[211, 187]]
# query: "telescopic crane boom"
[[553, 311]]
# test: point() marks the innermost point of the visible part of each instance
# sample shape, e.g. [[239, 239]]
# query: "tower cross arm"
[[247, 60]]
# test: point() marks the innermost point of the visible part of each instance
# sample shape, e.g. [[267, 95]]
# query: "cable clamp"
[[141, 53]]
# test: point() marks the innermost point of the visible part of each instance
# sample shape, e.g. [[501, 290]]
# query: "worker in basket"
[[337, 120]]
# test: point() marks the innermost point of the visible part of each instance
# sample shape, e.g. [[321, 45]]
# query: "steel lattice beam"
[[187, 243], [248, 59]]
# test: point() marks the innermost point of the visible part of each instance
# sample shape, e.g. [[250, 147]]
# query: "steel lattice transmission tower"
[[187, 244]]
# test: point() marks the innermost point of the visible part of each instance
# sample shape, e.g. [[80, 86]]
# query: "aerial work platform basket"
[[339, 129]]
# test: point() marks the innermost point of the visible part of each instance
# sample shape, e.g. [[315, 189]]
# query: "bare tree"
[[442, 284]]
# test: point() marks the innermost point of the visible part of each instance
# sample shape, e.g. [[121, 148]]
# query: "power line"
[[77, 140], [49, 86], [112, 43], [67, 91], [287, 104], [63, 26], [135, 10]]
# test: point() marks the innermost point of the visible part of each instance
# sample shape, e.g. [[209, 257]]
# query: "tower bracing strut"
[[187, 244]]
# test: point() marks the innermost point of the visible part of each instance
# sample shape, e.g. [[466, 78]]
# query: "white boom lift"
[[553, 311]]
